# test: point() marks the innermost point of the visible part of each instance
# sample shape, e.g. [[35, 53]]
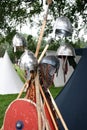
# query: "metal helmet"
[[63, 26], [51, 60], [28, 61], [65, 50], [18, 41]]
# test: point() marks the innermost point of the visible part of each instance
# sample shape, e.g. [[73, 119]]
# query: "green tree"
[[16, 12]]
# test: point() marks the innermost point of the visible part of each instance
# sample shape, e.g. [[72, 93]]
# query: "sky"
[[27, 30], [34, 31]]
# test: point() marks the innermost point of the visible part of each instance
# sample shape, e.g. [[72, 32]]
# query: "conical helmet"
[[50, 59], [48, 66], [63, 26], [65, 50], [28, 61], [18, 41], [53, 61]]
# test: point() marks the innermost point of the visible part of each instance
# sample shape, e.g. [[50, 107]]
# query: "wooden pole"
[[43, 95], [38, 103], [58, 112], [1, 128], [37, 76], [43, 53], [22, 90], [42, 29], [25, 86], [55, 106]]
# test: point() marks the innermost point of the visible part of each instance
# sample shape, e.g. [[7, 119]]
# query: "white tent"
[[10, 82]]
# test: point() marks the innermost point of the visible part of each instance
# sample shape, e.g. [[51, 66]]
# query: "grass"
[[5, 100], [55, 91], [20, 72]]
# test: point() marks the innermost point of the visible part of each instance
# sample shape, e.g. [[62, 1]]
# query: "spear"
[[42, 29]]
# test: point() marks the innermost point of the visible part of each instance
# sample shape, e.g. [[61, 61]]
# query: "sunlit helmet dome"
[[65, 50], [18, 41], [63, 26], [28, 61]]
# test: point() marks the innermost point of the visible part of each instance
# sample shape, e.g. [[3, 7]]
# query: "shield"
[[21, 115]]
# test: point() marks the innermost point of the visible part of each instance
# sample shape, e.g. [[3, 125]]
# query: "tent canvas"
[[72, 101], [9, 80]]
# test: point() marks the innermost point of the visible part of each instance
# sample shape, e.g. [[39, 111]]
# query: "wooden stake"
[[22, 90], [58, 112], [1, 128], [38, 103], [25, 86], [41, 35], [42, 29], [45, 100], [49, 2], [43, 53]]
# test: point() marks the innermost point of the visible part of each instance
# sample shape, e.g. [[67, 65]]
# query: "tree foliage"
[[16, 12]]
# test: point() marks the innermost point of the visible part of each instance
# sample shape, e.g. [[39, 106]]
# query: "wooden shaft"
[[44, 118], [24, 86], [58, 112], [43, 53], [38, 101], [1, 128], [49, 2], [22, 90], [43, 95], [42, 29], [41, 34]]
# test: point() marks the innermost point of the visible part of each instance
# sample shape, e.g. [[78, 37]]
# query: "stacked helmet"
[[18, 41], [49, 65], [28, 61], [51, 60], [65, 50], [63, 26]]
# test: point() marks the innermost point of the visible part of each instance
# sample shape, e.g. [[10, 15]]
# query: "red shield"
[[21, 115]]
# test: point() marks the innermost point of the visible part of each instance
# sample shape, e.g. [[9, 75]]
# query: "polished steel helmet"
[[28, 61], [51, 60], [63, 26], [18, 41], [65, 50]]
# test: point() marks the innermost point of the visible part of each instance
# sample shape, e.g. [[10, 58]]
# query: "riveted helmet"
[[49, 65], [65, 50], [18, 41], [63, 26], [28, 61], [51, 60]]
